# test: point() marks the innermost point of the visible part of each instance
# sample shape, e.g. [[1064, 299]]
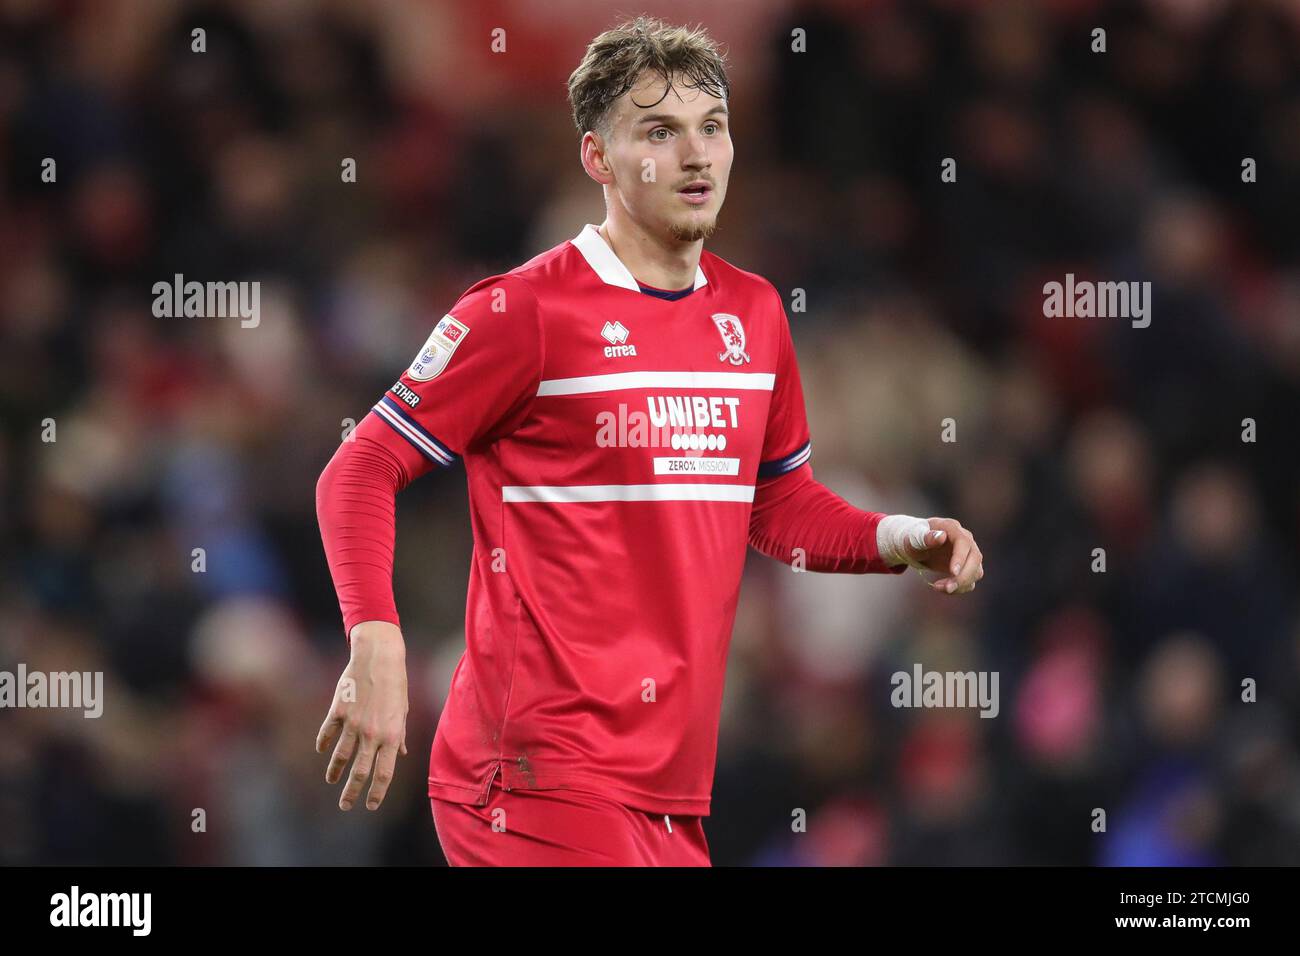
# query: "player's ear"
[[593, 158]]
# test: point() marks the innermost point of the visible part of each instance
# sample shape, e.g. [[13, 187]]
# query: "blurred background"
[[1119, 690]]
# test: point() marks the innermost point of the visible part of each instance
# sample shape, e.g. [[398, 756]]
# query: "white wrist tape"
[[896, 531]]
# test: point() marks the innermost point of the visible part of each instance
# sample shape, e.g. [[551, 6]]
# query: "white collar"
[[610, 267]]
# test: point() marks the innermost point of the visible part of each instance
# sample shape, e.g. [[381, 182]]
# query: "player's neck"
[[651, 262]]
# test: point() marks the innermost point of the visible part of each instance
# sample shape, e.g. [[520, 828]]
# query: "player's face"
[[670, 158]]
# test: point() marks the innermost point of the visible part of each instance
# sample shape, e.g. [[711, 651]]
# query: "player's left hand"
[[951, 551]]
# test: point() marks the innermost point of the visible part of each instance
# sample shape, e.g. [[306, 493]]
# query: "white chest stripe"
[[619, 381], [666, 491]]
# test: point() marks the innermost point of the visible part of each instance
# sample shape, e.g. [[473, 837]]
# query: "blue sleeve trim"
[[770, 469], [406, 426]]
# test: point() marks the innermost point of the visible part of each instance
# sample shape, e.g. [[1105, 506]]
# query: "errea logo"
[[616, 334]]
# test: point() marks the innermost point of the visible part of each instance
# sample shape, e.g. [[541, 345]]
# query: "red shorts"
[[564, 828]]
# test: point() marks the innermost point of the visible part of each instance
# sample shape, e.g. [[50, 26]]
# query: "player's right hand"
[[368, 715]]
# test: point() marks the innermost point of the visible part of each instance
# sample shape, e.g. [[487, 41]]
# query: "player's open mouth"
[[697, 193]]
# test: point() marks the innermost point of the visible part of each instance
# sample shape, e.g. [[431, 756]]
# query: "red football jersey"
[[612, 440]]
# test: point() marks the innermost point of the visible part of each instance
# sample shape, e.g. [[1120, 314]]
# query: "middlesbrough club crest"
[[733, 338]]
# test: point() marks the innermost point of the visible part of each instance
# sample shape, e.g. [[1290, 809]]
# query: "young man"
[[629, 412]]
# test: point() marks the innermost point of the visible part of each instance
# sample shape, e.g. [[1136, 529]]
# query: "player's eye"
[[710, 128], [654, 133]]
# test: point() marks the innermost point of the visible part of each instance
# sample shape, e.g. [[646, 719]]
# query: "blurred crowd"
[[1080, 443]]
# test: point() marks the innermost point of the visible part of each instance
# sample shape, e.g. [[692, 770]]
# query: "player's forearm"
[[355, 507], [377, 635], [798, 519]]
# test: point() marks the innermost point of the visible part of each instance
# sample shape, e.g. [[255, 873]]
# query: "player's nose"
[[697, 154]]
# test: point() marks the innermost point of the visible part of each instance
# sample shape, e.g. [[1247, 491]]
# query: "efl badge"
[[435, 355], [733, 338]]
